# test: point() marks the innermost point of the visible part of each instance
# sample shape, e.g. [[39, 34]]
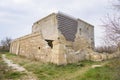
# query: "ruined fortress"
[[57, 38]]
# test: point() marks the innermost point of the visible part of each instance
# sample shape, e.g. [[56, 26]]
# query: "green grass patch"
[[3, 51], [51, 71], [14, 75], [111, 71], [102, 73]]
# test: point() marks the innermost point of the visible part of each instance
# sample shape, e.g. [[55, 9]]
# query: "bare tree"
[[117, 6], [6, 43], [112, 27], [106, 49]]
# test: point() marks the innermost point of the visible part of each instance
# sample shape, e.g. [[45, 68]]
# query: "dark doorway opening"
[[50, 43]]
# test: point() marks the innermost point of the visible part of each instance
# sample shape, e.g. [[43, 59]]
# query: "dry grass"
[[78, 71]]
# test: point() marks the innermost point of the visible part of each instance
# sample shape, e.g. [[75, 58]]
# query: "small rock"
[[94, 66]]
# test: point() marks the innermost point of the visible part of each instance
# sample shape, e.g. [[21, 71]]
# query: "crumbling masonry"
[[57, 38]]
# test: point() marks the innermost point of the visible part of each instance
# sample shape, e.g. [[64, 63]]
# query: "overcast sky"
[[17, 16]]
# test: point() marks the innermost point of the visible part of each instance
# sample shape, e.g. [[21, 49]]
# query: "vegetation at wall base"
[[76, 71]]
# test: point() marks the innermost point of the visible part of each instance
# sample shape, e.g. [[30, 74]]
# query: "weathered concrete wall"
[[66, 53], [72, 41], [58, 53], [94, 56], [14, 47], [31, 46], [34, 46], [86, 30], [81, 43], [47, 26]]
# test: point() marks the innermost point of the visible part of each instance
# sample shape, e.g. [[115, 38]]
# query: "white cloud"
[[20, 1]]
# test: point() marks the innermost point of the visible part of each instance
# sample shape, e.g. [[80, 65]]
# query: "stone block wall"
[[71, 41], [86, 30], [81, 43], [14, 47], [31, 46]]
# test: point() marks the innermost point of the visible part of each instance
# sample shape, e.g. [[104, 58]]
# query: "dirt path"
[[16, 67], [12, 65]]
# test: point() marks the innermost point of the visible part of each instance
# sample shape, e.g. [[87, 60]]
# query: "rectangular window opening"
[[50, 43]]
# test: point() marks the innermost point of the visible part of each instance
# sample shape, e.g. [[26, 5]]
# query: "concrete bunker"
[[57, 38]]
